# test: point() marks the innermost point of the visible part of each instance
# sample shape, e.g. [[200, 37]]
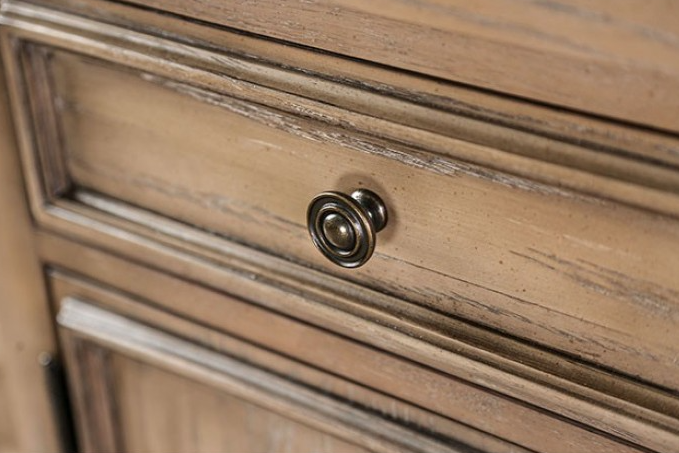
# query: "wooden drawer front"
[[95, 334], [137, 388], [580, 274], [440, 412]]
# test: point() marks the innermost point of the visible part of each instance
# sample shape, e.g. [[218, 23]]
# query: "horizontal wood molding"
[[476, 111], [619, 162], [614, 60]]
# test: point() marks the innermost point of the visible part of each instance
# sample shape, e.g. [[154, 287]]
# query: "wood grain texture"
[[454, 361], [26, 423], [275, 357], [313, 74], [347, 359], [7, 429], [473, 212], [156, 411], [459, 238], [67, 216], [92, 397], [204, 420], [507, 129], [616, 60], [108, 333]]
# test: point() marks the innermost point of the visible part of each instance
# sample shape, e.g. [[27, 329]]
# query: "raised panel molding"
[[90, 334]]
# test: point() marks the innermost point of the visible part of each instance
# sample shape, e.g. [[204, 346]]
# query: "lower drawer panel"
[[157, 410], [351, 369], [109, 338]]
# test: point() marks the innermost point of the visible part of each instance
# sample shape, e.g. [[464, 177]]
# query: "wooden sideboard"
[[159, 288]]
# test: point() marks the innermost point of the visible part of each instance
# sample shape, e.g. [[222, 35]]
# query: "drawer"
[[134, 371], [239, 162], [163, 322]]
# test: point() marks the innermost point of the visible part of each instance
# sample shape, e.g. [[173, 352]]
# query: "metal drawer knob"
[[344, 228]]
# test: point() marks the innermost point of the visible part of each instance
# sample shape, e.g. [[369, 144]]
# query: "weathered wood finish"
[[349, 360], [235, 345], [26, 415], [94, 336], [7, 440], [458, 254], [615, 60], [477, 112], [506, 128], [446, 394], [528, 276], [203, 419]]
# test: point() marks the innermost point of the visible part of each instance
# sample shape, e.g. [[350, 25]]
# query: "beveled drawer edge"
[[526, 160]]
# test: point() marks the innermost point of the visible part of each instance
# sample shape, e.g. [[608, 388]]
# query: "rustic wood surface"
[[91, 216], [95, 336], [618, 59], [607, 155], [455, 362], [527, 276], [26, 422], [204, 420], [459, 240], [7, 441], [344, 358], [275, 357]]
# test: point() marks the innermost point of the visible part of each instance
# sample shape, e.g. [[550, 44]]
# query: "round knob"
[[337, 230], [344, 227]]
